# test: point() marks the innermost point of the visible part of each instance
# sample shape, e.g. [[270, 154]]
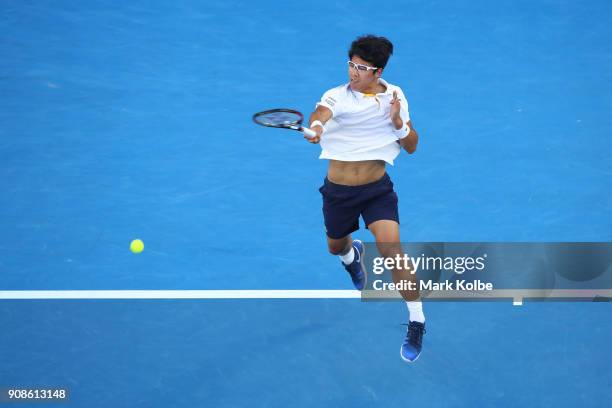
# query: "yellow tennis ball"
[[137, 246]]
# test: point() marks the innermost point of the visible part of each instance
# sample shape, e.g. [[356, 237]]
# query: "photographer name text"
[[456, 285]]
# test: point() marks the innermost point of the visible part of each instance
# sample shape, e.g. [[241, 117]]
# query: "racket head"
[[279, 118]]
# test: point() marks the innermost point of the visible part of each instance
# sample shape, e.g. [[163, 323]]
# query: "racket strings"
[[279, 118]]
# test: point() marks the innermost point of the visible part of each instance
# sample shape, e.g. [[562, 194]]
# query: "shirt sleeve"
[[332, 101]]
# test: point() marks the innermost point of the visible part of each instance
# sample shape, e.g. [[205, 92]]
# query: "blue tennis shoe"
[[411, 349], [356, 268]]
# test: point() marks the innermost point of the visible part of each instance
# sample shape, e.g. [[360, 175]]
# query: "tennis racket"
[[283, 118]]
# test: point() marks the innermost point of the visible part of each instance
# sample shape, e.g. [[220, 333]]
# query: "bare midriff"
[[355, 173]]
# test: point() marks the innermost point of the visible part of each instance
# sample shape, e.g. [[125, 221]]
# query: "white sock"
[[415, 312], [348, 258]]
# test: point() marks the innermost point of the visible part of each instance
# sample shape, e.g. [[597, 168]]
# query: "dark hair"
[[373, 49]]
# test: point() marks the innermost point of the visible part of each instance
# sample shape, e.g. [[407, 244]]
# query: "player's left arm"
[[408, 138], [409, 143]]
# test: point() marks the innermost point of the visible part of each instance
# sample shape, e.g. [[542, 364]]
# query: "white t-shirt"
[[361, 126]]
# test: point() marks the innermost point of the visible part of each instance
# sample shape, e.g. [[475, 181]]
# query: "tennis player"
[[362, 126]]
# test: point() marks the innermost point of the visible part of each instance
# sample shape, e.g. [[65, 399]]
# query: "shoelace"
[[415, 333]]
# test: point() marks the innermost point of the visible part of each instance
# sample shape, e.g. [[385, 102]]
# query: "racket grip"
[[309, 132]]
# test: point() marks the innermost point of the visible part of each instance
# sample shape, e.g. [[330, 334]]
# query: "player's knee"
[[388, 249]]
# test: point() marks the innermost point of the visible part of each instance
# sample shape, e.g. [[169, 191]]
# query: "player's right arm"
[[321, 114]]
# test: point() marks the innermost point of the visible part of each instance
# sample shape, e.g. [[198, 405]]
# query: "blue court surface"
[[133, 120]]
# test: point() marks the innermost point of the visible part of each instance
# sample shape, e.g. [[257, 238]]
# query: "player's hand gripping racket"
[[283, 118]]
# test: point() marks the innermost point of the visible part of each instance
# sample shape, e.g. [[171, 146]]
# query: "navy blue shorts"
[[342, 205]]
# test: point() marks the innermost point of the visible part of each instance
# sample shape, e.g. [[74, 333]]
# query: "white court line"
[[179, 294]]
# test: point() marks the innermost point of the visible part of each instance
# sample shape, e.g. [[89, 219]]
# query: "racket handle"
[[309, 132]]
